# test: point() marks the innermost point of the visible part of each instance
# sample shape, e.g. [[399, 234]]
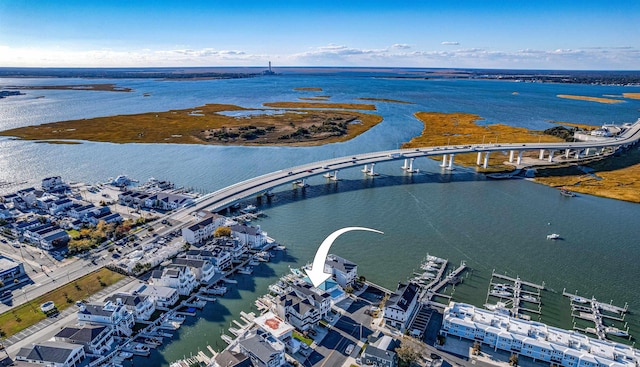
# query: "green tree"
[[513, 360], [406, 355]]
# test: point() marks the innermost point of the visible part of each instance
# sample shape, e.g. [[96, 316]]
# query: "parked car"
[[349, 349]]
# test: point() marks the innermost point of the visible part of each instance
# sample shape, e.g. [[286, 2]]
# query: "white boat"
[[501, 294], [615, 331], [125, 355], [246, 270], [250, 208], [529, 298], [553, 236]]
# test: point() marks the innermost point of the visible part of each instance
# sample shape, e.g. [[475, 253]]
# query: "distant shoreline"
[[603, 77]]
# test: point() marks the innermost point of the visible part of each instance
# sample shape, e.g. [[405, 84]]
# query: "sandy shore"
[[89, 87], [590, 99]]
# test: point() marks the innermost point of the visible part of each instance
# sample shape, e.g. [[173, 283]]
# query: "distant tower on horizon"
[[268, 72]]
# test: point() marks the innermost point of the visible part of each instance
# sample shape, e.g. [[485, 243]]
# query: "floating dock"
[[515, 292], [590, 309]]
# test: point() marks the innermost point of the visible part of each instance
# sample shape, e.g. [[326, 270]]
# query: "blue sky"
[[476, 34]]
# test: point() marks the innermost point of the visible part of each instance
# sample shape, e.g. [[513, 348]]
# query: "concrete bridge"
[[547, 152]]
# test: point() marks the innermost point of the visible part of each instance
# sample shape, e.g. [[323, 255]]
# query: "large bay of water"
[[458, 215]]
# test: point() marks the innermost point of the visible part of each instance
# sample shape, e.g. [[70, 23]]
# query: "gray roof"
[[194, 263], [259, 347], [340, 263], [229, 358], [84, 335], [252, 231], [403, 296], [49, 351], [127, 299], [155, 290]]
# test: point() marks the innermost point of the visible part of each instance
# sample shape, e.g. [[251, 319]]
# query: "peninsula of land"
[[209, 124], [91, 87], [614, 178]]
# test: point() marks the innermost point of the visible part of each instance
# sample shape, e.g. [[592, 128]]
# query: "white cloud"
[[621, 57], [450, 43]]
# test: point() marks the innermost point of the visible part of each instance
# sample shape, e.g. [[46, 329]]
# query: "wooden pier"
[[591, 310], [519, 294]]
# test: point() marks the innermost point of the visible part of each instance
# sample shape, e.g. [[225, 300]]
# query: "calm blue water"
[[458, 215]]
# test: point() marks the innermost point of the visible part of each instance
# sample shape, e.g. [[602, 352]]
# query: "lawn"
[[302, 338], [23, 316]]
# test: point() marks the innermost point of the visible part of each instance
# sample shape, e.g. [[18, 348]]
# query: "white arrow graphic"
[[316, 273]]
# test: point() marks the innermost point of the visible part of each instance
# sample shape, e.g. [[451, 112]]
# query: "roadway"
[[229, 195]]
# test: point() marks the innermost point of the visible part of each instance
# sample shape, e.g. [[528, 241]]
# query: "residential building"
[[344, 271], [202, 269], [217, 256], [534, 339], [252, 237], [29, 195], [52, 354], [164, 297], [60, 205], [320, 299], [381, 351], [5, 213], [229, 358], [54, 239], [168, 201], [141, 306], [233, 246], [297, 311], [109, 313], [96, 338], [55, 183], [401, 306], [279, 329], [180, 278], [262, 349], [10, 269], [203, 229]]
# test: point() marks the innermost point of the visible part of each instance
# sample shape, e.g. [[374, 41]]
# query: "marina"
[[602, 315], [523, 299]]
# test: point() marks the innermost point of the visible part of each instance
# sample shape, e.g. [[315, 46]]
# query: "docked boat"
[[567, 193], [125, 355], [529, 298], [246, 270], [553, 236], [501, 294], [249, 208], [615, 331]]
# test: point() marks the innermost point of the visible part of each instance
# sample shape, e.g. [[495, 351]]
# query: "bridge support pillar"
[[335, 175], [451, 158], [365, 169], [541, 157], [519, 157], [511, 153], [551, 156], [410, 164], [479, 159], [444, 161], [602, 150], [567, 152], [371, 173], [578, 152], [405, 165], [485, 164]]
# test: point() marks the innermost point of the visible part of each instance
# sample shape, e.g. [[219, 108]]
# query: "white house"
[[54, 183], [320, 299], [168, 201], [344, 271], [297, 311], [180, 278], [233, 246], [203, 229], [401, 306], [202, 269], [534, 339], [59, 206], [217, 256], [249, 236], [262, 350], [139, 305], [109, 313], [381, 351], [164, 297], [95, 338], [52, 354]]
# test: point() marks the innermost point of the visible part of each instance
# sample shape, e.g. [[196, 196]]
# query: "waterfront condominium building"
[[534, 339]]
